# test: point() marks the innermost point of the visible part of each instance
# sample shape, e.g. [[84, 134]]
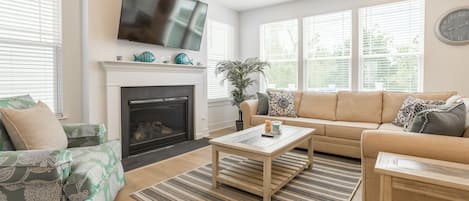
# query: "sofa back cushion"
[[318, 105], [359, 106], [392, 101]]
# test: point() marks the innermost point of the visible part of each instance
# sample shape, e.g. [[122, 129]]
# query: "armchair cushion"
[[17, 102], [34, 165], [82, 135], [94, 170]]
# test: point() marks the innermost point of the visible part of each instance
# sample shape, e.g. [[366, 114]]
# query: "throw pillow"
[[263, 103], [466, 102], [446, 120], [282, 104], [34, 128], [410, 107], [15, 102]]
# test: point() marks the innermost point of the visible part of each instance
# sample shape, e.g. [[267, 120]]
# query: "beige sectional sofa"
[[341, 118]]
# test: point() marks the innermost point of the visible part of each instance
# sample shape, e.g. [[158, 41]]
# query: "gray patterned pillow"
[[282, 104], [263, 103], [410, 107]]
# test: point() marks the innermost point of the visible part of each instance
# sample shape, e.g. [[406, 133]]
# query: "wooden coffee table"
[[253, 176]]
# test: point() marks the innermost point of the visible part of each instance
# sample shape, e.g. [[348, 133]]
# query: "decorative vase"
[[146, 56], [182, 58], [239, 125]]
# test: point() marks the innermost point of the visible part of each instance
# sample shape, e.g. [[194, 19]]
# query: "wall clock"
[[453, 26]]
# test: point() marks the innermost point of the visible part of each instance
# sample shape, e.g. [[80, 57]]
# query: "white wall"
[[446, 67], [71, 68], [103, 22]]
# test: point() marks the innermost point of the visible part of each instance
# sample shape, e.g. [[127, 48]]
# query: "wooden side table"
[[439, 179]]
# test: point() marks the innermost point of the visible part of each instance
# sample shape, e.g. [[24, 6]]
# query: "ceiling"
[[243, 5]]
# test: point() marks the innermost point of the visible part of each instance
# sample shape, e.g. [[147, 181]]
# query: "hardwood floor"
[[148, 175]]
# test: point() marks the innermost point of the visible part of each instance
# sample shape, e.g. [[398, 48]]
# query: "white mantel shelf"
[[142, 66], [139, 74]]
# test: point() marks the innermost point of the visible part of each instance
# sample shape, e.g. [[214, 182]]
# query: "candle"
[[268, 126], [276, 127]]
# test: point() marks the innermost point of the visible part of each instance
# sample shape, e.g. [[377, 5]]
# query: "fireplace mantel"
[[136, 74]]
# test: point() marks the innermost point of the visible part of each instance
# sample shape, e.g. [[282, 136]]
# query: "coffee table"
[[268, 166]]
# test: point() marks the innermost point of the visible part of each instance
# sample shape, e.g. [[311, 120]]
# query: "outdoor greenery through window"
[[220, 47], [327, 51], [30, 50], [279, 46], [391, 46]]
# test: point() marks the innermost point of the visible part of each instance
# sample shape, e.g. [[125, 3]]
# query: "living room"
[[234, 100]]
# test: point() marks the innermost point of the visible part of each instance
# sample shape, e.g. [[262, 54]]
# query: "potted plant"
[[238, 73]]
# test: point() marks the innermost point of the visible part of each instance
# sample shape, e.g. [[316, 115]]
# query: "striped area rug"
[[331, 179]]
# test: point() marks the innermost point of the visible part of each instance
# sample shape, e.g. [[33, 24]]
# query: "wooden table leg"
[[310, 153], [267, 179], [215, 168], [386, 188]]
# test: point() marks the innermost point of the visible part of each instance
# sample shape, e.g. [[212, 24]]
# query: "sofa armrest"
[[33, 165], [82, 135], [454, 149], [249, 108]]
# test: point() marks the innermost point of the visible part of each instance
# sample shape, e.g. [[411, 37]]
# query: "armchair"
[[89, 169]]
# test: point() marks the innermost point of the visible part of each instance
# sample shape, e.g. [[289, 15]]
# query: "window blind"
[[220, 47], [327, 42], [279, 46], [30, 49], [391, 46]]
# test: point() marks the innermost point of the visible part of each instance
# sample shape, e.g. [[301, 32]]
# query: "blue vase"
[[182, 58], [146, 56]]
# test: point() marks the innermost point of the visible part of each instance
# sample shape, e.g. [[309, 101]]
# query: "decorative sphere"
[[182, 58]]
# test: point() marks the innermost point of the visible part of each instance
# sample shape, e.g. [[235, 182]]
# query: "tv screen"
[[170, 23]]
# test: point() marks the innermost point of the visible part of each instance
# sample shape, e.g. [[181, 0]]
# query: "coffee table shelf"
[[247, 174]]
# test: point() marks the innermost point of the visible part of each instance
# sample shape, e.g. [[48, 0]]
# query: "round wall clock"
[[453, 26]]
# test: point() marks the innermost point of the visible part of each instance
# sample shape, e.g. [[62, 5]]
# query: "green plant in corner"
[[238, 73]]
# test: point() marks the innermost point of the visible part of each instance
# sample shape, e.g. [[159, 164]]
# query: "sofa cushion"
[[348, 130], [410, 107], [392, 101], [298, 96], [282, 104], [359, 106], [260, 119], [446, 120], [34, 128], [390, 127], [16, 102], [94, 169], [318, 105], [318, 124], [262, 104]]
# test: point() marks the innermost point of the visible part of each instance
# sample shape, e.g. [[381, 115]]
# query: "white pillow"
[[466, 102]]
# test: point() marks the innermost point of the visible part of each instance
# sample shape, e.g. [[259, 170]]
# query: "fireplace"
[[155, 117]]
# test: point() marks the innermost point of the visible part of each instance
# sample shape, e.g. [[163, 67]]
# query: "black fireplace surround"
[[155, 117]]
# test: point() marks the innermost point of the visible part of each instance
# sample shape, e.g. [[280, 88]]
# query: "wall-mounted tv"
[[169, 23]]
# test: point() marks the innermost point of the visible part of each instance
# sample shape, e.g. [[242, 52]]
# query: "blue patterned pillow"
[[282, 104], [17, 102]]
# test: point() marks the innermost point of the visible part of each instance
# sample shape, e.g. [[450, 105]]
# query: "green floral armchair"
[[89, 169]]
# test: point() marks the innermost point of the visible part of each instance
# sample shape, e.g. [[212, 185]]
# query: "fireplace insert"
[[155, 117]]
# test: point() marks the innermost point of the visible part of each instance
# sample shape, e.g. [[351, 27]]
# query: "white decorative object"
[[135, 74], [453, 26]]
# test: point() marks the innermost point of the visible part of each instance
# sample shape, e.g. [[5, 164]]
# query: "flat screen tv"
[[169, 23]]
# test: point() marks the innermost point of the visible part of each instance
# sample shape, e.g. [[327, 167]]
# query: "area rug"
[[331, 179]]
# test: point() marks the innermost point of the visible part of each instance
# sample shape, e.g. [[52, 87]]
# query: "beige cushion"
[[359, 106], [318, 105], [466, 133], [317, 124], [260, 119], [390, 127], [34, 128], [348, 130], [392, 101]]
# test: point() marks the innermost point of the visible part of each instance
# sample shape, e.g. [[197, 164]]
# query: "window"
[[220, 47], [327, 46], [279, 46], [30, 49], [391, 46]]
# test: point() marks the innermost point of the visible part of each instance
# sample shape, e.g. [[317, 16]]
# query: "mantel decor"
[[453, 26]]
